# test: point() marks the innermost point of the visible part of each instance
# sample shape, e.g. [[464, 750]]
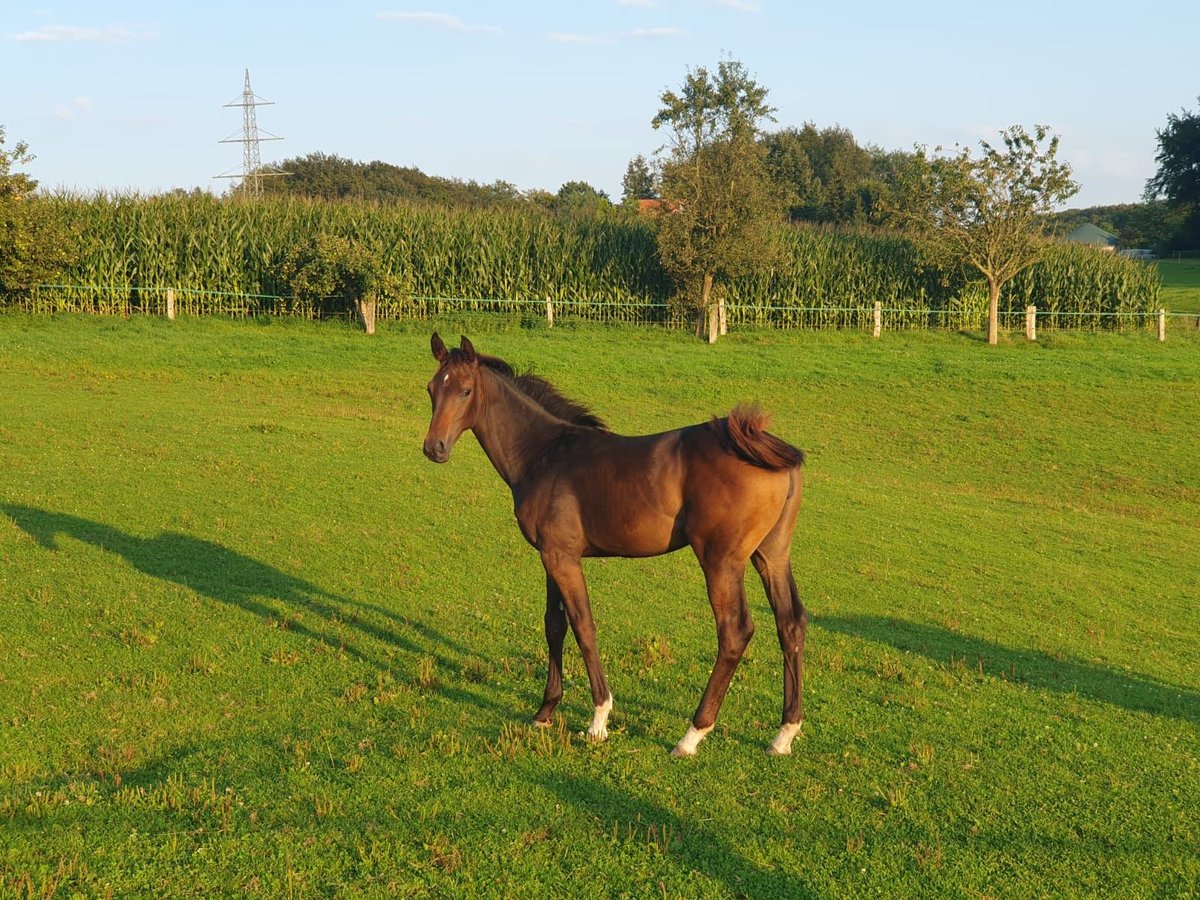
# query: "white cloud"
[[635, 34], [661, 32], [568, 37], [56, 34], [438, 20], [68, 112]]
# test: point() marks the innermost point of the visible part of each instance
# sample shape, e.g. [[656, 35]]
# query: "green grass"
[[1181, 284], [253, 642]]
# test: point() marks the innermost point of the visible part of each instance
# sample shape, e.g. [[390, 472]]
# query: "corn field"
[[223, 256]]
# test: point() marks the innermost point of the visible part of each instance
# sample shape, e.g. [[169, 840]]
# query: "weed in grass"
[[516, 740], [353, 694], [653, 650], [282, 656], [443, 854], [922, 753]]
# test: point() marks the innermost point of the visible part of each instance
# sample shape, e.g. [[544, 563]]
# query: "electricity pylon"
[[252, 171]]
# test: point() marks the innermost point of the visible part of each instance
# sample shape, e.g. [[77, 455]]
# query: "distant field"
[[1181, 284], [253, 642]]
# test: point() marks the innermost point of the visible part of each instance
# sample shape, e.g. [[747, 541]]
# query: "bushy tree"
[[578, 198], [1178, 176], [638, 183], [329, 267], [35, 246], [986, 212], [333, 177], [718, 199]]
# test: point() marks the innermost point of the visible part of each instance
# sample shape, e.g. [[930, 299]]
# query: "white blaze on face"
[[445, 378]]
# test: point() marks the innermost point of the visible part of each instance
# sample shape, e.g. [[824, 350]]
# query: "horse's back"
[[611, 495]]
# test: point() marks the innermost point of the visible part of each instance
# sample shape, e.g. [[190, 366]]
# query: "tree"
[[986, 213], [638, 183], [1178, 175], [717, 197], [329, 267], [578, 198], [332, 177], [35, 246]]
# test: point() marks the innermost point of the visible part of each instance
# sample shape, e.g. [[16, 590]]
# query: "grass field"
[[253, 642], [1181, 284]]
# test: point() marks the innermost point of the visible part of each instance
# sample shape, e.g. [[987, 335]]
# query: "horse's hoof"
[[689, 742], [782, 745], [538, 723], [681, 752], [597, 735]]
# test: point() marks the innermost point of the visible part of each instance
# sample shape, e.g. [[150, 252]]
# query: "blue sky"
[[129, 94]]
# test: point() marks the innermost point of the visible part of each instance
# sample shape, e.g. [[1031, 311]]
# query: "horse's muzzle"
[[436, 450]]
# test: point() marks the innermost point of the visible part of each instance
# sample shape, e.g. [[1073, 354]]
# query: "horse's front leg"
[[566, 572], [556, 631]]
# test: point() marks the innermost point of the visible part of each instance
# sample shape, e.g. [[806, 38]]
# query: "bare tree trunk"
[[724, 328], [993, 312], [366, 313], [709, 309]]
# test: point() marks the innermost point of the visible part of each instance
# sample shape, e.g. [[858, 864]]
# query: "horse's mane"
[[540, 391]]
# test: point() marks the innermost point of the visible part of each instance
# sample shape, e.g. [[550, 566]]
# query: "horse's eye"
[[466, 392]]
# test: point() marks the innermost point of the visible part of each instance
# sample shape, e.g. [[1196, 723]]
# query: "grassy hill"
[[254, 642]]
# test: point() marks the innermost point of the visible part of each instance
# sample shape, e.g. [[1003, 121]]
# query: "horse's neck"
[[512, 429]]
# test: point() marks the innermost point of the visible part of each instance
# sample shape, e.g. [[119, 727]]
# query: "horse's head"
[[455, 396]]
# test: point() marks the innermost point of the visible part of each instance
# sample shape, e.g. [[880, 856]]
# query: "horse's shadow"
[[1129, 690], [698, 848], [233, 578]]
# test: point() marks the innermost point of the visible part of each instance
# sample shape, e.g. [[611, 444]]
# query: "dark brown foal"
[[728, 489]]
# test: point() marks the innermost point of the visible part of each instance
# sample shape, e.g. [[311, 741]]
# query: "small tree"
[[717, 196], [35, 246], [986, 213], [326, 266]]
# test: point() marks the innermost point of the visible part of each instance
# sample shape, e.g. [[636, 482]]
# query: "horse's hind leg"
[[727, 594], [773, 562], [556, 631]]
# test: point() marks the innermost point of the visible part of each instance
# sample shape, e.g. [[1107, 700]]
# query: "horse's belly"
[[638, 533]]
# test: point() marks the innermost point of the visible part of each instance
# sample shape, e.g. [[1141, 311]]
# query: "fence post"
[[171, 304], [1162, 324], [549, 312], [1031, 323], [878, 327]]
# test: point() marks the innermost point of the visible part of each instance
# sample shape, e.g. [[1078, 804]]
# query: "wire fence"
[[131, 300]]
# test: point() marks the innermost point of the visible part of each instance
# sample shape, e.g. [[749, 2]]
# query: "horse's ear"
[[467, 350], [438, 348]]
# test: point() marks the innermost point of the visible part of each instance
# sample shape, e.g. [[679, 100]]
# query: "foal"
[[727, 489]]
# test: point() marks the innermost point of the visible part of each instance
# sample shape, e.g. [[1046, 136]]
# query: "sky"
[[129, 95]]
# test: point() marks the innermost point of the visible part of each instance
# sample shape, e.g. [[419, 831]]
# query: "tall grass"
[[223, 256]]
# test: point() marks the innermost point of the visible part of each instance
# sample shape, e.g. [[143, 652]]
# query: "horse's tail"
[[743, 433]]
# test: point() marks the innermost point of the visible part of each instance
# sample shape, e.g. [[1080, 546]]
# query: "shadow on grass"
[[700, 849], [238, 580], [1138, 693]]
